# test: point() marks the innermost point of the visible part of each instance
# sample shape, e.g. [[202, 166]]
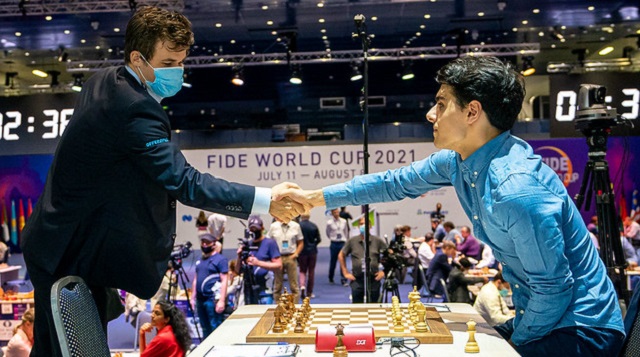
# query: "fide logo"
[[361, 342]]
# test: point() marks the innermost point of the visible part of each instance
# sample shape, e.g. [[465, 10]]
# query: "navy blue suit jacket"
[[108, 209], [439, 268]]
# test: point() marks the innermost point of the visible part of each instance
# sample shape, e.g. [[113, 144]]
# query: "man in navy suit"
[[439, 268], [108, 209]]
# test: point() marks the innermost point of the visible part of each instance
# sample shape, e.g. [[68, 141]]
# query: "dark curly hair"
[[498, 87], [178, 323], [150, 25]]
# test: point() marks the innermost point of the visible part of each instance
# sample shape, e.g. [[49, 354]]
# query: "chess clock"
[[33, 124], [623, 93]]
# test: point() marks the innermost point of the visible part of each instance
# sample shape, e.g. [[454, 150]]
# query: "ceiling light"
[[536, 11], [116, 29], [527, 66], [605, 51], [265, 7], [524, 22], [320, 4], [232, 41], [48, 18], [321, 21], [18, 34], [481, 14], [355, 73], [66, 32], [40, 73], [238, 77], [323, 30], [269, 22], [374, 18], [427, 16], [515, 29], [407, 72], [218, 25], [296, 77], [83, 41], [591, 8]]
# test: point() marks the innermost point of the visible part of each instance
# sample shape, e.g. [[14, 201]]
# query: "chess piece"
[[340, 350], [421, 324], [278, 327], [299, 328], [472, 345]]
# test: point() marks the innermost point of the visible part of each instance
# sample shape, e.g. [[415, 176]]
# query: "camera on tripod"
[[179, 252], [393, 258], [592, 113], [247, 244]]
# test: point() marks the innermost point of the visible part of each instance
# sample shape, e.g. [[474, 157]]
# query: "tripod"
[[390, 286], [250, 287], [181, 277], [596, 178]]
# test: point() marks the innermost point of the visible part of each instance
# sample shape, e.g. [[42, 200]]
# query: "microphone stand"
[[361, 33]]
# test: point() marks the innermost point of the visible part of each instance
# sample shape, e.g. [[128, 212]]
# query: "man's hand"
[[253, 261], [379, 275], [282, 207], [307, 198], [349, 276], [220, 305]]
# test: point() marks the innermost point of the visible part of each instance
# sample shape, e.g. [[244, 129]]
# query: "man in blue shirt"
[[210, 285], [565, 303], [263, 260]]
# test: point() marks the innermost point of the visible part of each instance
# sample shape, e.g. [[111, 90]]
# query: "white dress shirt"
[[491, 306], [337, 230]]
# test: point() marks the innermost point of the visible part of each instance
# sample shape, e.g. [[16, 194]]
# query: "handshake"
[[288, 201]]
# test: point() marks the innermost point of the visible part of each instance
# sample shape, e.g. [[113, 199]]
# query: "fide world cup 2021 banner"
[[318, 166]]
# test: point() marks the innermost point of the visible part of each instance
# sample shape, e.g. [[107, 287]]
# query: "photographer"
[[259, 258], [355, 248], [210, 285]]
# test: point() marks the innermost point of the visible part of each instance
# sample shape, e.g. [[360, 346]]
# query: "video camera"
[[247, 244], [592, 112], [393, 258], [181, 251]]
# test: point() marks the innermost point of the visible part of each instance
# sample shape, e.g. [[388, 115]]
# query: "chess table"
[[379, 317], [234, 331]]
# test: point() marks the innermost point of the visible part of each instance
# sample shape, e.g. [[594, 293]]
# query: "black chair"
[[446, 290], [76, 319], [631, 345]]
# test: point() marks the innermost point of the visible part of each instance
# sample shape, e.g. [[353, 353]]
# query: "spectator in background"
[[290, 241], [632, 232], [355, 248], [440, 268], [437, 214], [201, 223], [308, 256], [263, 260], [216, 226], [488, 260], [453, 235], [20, 344], [490, 302], [209, 291], [172, 339], [593, 225], [458, 281], [438, 229], [337, 233], [235, 293], [426, 252], [630, 254], [409, 254], [468, 245]]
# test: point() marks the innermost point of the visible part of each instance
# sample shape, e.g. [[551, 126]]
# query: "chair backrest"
[[143, 316], [76, 319], [446, 290], [631, 346]]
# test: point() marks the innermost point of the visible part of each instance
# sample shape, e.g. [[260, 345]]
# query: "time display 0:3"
[[13, 124]]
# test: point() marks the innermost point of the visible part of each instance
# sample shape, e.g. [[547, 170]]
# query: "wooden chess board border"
[[440, 333]]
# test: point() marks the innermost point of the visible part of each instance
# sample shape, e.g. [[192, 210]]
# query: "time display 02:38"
[[14, 124]]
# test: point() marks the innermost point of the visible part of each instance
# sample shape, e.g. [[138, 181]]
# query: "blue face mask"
[[168, 80], [504, 292], [362, 230]]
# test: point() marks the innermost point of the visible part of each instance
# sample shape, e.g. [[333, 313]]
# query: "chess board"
[[380, 318]]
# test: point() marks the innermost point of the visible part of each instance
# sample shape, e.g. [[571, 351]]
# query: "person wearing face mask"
[[108, 209], [490, 302], [264, 259], [210, 285], [355, 248]]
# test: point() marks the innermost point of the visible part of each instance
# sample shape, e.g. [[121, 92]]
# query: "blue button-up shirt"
[[520, 208]]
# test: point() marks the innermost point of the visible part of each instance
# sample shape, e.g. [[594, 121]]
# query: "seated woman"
[[22, 340], [173, 338]]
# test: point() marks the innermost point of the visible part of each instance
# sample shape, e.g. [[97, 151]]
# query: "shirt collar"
[[481, 157], [149, 90]]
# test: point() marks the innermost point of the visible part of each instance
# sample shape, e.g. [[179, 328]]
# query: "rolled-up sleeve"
[[393, 185], [533, 221]]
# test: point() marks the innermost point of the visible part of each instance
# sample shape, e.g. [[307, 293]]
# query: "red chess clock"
[[357, 338]]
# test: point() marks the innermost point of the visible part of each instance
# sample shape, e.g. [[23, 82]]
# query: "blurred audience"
[[20, 344], [172, 338], [459, 279], [490, 302]]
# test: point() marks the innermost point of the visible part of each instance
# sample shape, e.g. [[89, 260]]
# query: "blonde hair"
[[28, 316]]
